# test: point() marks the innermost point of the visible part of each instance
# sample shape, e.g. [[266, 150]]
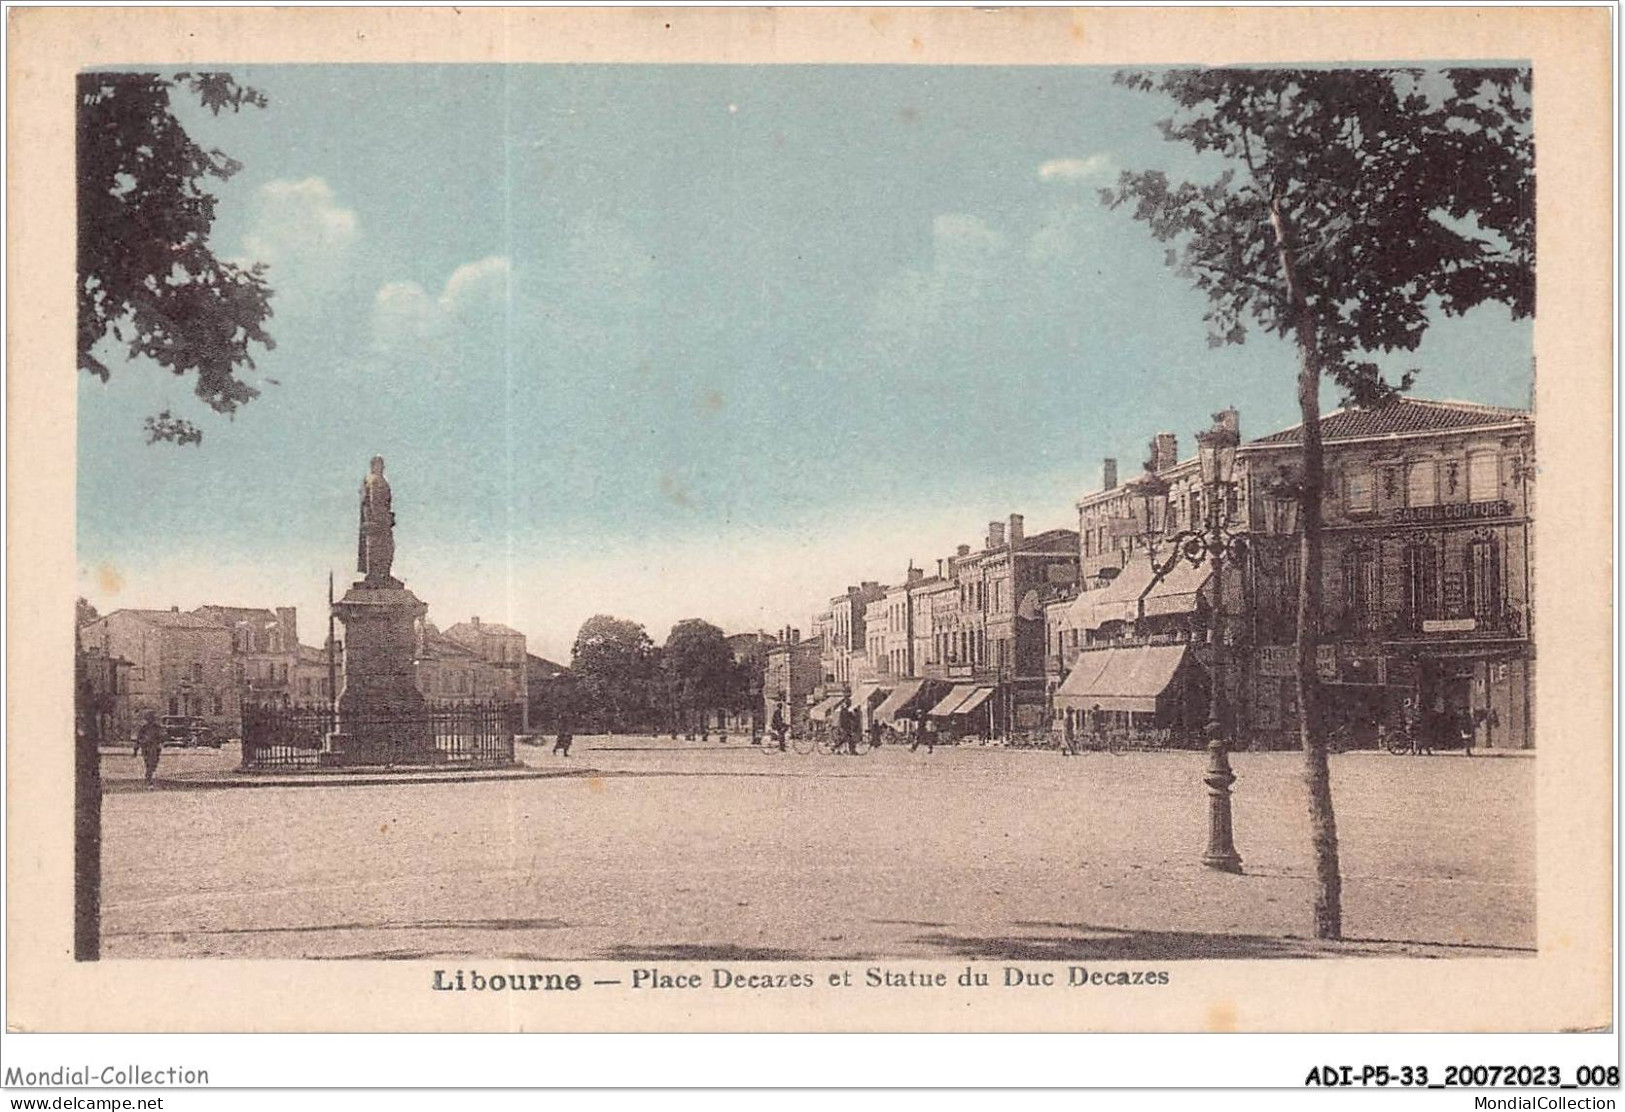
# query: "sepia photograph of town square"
[[783, 513]]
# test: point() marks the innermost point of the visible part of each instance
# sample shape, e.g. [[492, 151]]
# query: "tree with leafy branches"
[[148, 276], [1349, 208], [702, 669], [616, 666]]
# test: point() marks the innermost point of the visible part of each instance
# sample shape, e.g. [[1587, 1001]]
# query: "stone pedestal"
[[383, 718]]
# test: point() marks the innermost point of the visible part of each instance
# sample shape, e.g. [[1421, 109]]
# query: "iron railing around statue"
[[465, 734]]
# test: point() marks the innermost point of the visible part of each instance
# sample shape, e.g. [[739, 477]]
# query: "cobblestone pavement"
[[670, 850]]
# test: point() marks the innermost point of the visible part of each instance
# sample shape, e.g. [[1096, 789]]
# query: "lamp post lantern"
[[1211, 542]]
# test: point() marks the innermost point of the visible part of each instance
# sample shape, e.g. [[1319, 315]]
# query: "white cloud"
[[302, 232], [405, 315], [1077, 169], [477, 283]]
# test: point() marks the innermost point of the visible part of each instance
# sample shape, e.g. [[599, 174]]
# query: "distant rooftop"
[[235, 614], [478, 626], [1401, 417], [174, 619]]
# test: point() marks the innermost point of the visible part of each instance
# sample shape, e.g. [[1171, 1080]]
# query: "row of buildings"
[[209, 662], [1426, 589]]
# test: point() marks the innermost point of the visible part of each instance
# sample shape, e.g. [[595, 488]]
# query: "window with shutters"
[[1420, 562], [1422, 483], [1361, 586], [1359, 494], [1483, 477], [1484, 577]]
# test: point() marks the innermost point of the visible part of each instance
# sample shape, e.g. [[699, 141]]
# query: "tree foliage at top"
[[702, 668], [1348, 207], [147, 275], [616, 665], [1403, 189]]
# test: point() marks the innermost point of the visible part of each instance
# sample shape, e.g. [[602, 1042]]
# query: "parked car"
[[185, 731]]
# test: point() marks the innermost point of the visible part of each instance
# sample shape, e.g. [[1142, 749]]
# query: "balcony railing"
[[1505, 622]]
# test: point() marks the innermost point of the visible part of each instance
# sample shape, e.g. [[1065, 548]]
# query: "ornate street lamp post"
[[1211, 543]]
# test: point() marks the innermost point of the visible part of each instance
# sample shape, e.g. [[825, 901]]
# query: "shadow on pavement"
[[385, 925], [1083, 942], [697, 951]]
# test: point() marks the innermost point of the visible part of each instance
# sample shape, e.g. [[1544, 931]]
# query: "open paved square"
[[656, 849]]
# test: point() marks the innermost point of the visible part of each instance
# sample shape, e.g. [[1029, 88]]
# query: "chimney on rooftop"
[[1108, 474], [964, 550], [1164, 451], [475, 621], [1230, 419], [995, 534], [1017, 529], [174, 609], [915, 574]]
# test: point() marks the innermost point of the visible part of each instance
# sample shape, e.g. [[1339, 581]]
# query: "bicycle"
[[828, 746], [1105, 741]]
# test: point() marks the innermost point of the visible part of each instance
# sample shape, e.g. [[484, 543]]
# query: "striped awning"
[[867, 695], [1118, 601], [826, 707], [900, 701], [1130, 679], [1177, 592], [978, 697], [949, 703]]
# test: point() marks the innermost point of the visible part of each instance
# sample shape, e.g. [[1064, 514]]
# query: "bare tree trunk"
[[1316, 771]]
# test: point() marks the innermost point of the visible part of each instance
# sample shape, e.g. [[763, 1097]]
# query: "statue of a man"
[[376, 550]]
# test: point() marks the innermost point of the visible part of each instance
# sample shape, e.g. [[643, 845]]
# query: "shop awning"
[[1177, 592], [900, 701], [1118, 601], [1121, 679], [867, 695], [978, 698], [949, 703], [826, 707]]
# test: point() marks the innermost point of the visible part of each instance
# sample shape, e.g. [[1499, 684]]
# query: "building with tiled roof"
[[179, 663], [502, 649], [1404, 417], [1426, 582]]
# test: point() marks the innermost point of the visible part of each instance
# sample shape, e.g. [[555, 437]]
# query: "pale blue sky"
[[667, 341]]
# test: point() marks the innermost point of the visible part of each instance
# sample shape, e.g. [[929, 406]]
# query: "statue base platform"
[[408, 744], [383, 718]]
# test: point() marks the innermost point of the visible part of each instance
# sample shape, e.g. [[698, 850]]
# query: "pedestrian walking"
[[851, 724], [149, 741], [1467, 724], [1410, 724], [778, 725], [874, 733], [1434, 722], [1094, 723], [924, 734], [1069, 737], [561, 747]]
